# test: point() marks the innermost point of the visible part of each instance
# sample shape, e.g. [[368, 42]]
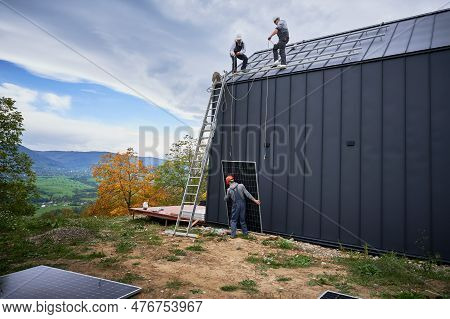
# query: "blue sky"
[[92, 101], [164, 50]]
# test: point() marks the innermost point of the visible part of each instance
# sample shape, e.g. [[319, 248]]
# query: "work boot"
[[276, 63], [244, 70], [282, 66]]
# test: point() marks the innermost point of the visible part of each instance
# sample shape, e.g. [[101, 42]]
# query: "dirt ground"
[[137, 251], [202, 274]]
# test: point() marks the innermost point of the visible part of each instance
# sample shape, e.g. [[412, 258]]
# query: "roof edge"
[[377, 59]]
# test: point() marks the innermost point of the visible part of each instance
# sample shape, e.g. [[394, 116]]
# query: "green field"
[[58, 192], [58, 187], [60, 206]]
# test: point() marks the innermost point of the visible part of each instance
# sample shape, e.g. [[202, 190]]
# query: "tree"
[[124, 182], [17, 179], [171, 176]]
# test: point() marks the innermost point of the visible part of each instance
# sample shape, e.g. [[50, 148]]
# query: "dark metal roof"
[[424, 32]]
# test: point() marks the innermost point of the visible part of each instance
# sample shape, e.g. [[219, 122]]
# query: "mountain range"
[[71, 162]]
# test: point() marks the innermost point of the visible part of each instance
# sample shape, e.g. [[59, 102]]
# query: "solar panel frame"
[[328, 294], [31, 284], [421, 36], [254, 223]]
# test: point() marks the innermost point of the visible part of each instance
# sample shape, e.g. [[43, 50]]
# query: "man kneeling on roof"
[[237, 193], [281, 30], [237, 51]]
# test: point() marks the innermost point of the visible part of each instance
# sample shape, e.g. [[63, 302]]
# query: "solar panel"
[[313, 54], [245, 173], [387, 39], [43, 282], [335, 295]]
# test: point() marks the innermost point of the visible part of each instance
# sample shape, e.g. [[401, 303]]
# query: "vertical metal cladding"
[[440, 152], [297, 166], [371, 152], [348, 155], [331, 154]]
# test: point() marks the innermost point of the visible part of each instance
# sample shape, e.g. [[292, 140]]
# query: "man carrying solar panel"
[[237, 51], [237, 193], [281, 30]]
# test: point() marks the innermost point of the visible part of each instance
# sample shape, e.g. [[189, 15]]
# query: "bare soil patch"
[[65, 235]]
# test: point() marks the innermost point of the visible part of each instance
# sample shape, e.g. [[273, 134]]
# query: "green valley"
[[65, 192]]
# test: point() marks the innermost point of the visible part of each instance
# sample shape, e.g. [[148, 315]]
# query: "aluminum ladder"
[[200, 159]]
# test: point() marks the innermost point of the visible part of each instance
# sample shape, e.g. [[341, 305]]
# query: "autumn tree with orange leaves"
[[124, 182]]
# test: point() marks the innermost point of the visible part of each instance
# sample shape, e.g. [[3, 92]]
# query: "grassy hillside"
[[57, 192], [58, 187]]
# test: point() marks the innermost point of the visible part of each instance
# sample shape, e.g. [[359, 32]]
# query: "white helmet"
[[275, 18], [238, 36]]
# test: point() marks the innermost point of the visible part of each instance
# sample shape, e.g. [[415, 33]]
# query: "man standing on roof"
[[237, 193], [237, 51], [281, 30]]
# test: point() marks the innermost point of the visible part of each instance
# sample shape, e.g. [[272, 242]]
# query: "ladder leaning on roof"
[[200, 159]]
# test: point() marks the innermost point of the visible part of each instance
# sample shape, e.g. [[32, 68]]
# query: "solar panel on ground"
[[335, 295], [43, 282], [245, 173]]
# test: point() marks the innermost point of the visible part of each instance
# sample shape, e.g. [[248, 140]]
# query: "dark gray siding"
[[313, 152], [297, 133], [377, 168], [350, 155], [417, 117], [280, 153], [264, 164], [331, 169], [393, 173], [440, 152], [371, 152]]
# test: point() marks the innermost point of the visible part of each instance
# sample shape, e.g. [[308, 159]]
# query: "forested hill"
[[70, 162]]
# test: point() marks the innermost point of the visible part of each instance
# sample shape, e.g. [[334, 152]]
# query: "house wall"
[[390, 190]]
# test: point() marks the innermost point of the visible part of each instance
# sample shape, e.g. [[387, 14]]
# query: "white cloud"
[[90, 91], [46, 130], [166, 51], [25, 97], [49, 130], [57, 102]]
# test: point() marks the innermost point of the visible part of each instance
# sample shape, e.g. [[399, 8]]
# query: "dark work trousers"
[[281, 45], [242, 57], [238, 213]]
